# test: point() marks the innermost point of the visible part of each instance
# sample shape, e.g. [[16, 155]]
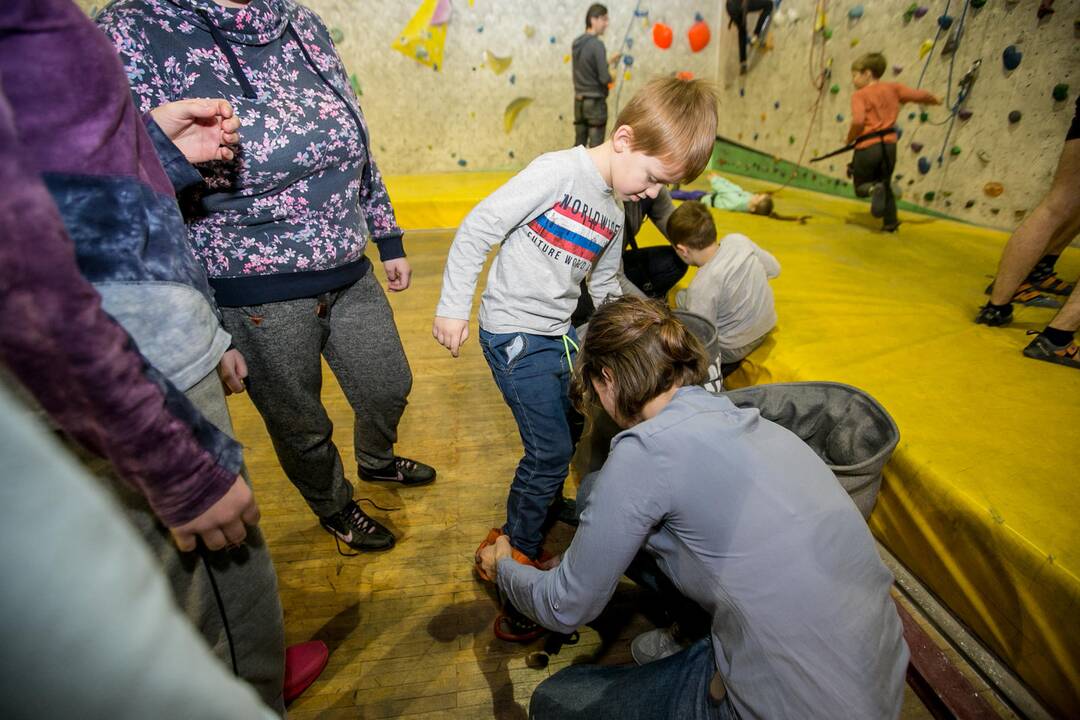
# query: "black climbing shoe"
[[994, 316]]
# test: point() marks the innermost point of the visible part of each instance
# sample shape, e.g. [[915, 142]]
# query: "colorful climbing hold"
[[916, 146], [945, 22], [924, 116], [698, 35], [443, 10], [839, 117], [924, 165], [983, 155], [776, 105], [834, 89], [925, 48], [553, 40], [911, 116], [954, 150], [928, 196], [1061, 91], [510, 153], [977, 3], [910, 12], [855, 12], [513, 109], [1011, 57], [993, 189], [970, 203], [791, 139], [827, 33], [566, 58], [662, 36], [762, 117], [755, 136], [513, 78], [897, 69], [420, 40], [497, 64], [920, 11], [627, 60], [1045, 9], [529, 32], [1014, 116], [964, 114], [854, 42], [462, 162], [337, 35], [742, 92], [354, 82]]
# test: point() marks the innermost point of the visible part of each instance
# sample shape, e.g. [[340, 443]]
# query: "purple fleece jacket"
[[55, 339]]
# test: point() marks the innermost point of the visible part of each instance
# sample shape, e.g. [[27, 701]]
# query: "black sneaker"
[[401, 470], [891, 228], [1042, 349], [994, 317], [355, 528]]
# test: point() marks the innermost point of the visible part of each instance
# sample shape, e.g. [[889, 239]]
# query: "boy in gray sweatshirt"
[[556, 223]]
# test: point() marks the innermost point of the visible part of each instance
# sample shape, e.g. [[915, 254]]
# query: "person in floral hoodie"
[[282, 229]]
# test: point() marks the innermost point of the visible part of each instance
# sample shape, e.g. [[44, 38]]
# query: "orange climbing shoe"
[[1042, 349], [1054, 285], [1028, 295], [492, 536]]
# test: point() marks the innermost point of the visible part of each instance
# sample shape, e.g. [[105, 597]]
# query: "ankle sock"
[[1044, 268], [1059, 338]]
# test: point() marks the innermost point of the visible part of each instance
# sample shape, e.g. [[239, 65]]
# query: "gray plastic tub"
[[845, 426]]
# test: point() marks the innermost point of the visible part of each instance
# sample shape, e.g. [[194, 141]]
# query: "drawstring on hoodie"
[[249, 90], [234, 62]]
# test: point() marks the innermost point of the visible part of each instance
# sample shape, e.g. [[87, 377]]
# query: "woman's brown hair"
[[644, 349]]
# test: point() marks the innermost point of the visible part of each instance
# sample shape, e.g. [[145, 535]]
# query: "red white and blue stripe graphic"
[[573, 232]]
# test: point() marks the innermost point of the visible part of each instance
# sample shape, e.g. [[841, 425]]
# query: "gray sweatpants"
[[244, 576], [353, 328]]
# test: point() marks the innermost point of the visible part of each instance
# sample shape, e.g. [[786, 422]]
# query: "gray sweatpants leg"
[[244, 576], [282, 343]]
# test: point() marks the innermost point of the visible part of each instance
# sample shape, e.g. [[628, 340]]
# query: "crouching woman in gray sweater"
[[746, 521]]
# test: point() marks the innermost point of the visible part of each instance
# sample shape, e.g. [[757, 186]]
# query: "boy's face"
[[635, 175], [861, 78], [599, 24]]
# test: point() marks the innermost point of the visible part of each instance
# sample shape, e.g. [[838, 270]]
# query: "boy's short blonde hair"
[[674, 120], [874, 62], [692, 226]]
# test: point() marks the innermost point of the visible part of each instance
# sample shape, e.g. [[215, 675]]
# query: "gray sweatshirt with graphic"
[[556, 223]]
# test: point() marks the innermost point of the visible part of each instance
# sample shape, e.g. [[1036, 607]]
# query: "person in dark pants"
[[738, 10], [875, 106], [592, 75]]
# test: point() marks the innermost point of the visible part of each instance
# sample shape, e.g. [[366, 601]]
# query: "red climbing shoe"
[[303, 665]]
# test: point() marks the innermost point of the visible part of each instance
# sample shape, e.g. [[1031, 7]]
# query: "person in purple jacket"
[[281, 230], [88, 200]]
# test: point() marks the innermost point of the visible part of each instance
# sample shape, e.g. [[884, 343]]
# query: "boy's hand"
[[451, 333], [232, 369], [398, 274], [223, 524], [203, 129]]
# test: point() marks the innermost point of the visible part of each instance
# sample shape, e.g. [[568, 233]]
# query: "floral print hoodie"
[[291, 215]]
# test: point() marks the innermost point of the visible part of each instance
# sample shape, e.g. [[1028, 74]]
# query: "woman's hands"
[[203, 129]]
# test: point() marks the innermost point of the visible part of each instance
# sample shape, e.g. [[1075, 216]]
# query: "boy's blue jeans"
[[675, 687], [533, 373]]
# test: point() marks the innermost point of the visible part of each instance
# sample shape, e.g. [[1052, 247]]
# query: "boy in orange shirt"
[[875, 106]]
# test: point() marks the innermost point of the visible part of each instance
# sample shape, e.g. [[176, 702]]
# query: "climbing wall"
[[986, 168], [486, 84]]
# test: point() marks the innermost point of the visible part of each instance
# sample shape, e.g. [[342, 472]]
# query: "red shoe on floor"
[[303, 665]]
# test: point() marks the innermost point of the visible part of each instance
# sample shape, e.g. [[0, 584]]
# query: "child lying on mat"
[[732, 286], [726, 195]]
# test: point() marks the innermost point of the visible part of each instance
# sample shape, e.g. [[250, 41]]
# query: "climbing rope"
[[626, 36]]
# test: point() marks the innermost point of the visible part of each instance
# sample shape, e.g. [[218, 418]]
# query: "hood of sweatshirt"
[[258, 23]]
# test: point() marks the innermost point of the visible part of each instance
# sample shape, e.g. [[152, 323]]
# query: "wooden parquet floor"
[[410, 629]]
